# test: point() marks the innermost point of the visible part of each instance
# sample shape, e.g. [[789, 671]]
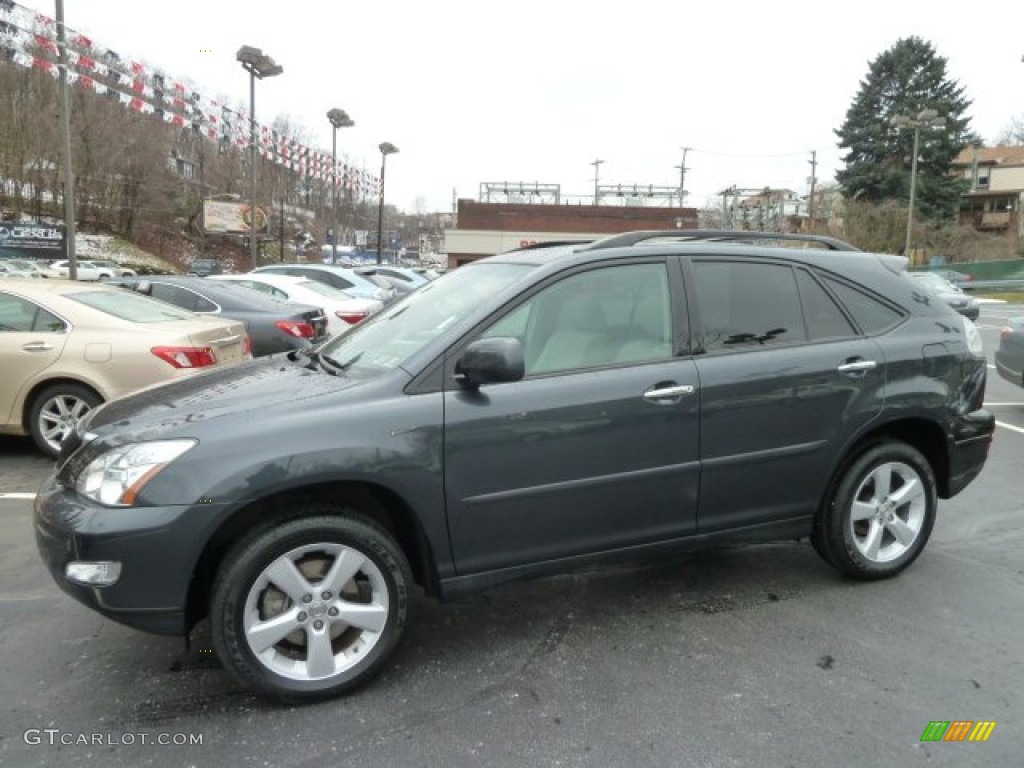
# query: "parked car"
[[109, 269], [9, 270], [1010, 352], [21, 268], [204, 267], [66, 347], [272, 324], [342, 278], [529, 413], [343, 311], [401, 279], [968, 306], [959, 279]]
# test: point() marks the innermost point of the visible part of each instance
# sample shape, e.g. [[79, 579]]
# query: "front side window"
[[608, 316], [747, 305], [384, 341]]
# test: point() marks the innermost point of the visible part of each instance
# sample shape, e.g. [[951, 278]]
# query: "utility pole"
[[65, 131], [597, 178], [682, 177], [202, 198], [810, 199]]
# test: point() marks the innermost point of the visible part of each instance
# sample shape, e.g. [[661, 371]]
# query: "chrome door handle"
[[37, 346], [664, 392], [857, 367]]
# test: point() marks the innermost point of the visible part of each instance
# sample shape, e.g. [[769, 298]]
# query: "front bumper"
[[969, 441], [157, 548]]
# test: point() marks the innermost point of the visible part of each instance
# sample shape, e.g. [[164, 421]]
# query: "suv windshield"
[[383, 342]]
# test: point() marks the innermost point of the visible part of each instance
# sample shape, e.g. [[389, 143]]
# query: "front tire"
[[310, 608], [881, 513]]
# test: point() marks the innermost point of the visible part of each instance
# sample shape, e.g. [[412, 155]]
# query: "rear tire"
[[310, 608], [56, 411], [880, 514]]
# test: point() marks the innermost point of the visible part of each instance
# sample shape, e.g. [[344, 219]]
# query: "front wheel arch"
[[383, 506]]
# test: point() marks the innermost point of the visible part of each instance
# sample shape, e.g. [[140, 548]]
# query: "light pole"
[[926, 118], [257, 64], [339, 119], [386, 148]]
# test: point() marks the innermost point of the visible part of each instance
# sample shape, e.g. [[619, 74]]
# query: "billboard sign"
[[33, 241], [232, 218]]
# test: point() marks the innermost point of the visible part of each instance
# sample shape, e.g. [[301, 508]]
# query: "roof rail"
[[550, 244], [713, 235]]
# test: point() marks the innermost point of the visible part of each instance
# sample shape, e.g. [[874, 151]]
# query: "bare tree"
[[1013, 134]]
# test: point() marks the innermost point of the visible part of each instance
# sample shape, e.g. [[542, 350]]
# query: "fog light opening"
[[100, 574]]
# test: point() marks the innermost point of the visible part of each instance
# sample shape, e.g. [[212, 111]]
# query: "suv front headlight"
[[115, 478]]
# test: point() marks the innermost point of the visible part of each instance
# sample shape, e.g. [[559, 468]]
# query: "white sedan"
[[342, 310], [86, 270]]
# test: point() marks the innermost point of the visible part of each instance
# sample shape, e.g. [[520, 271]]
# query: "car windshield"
[[130, 306], [385, 341], [328, 291], [933, 282]]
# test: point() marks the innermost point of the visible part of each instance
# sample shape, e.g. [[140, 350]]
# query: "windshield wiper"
[[329, 365]]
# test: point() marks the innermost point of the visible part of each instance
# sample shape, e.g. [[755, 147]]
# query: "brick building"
[[484, 229]]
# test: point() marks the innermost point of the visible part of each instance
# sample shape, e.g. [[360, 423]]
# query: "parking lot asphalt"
[[756, 656]]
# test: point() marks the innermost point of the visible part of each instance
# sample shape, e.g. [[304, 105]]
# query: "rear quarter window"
[[872, 315]]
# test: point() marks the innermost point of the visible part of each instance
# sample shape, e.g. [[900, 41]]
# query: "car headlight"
[[973, 338], [115, 478]]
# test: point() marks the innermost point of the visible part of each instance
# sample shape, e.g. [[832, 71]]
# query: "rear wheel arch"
[[926, 436], [33, 394], [923, 435], [381, 505]]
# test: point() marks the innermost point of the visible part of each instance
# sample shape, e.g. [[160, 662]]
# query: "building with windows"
[[996, 177], [484, 229]]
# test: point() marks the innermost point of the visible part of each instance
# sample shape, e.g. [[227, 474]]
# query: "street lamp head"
[[267, 67], [387, 148], [339, 118], [899, 121], [926, 115], [249, 55]]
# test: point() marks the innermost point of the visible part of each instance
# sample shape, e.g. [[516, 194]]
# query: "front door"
[[597, 447]]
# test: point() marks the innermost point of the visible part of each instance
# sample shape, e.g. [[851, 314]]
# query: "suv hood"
[[281, 382]]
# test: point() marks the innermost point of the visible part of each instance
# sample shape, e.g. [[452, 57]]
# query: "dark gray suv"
[[534, 412]]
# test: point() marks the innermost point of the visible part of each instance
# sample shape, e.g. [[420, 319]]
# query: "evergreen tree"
[[904, 80]]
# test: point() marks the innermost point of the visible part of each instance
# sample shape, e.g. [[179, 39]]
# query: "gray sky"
[[535, 91]]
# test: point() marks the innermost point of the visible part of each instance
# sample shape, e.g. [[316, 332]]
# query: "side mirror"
[[144, 286], [491, 361]]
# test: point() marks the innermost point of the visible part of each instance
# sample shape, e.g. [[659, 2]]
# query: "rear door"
[[785, 380], [597, 447]]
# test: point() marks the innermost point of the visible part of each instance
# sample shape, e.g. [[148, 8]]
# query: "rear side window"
[[747, 305], [18, 315], [182, 297], [870, 314], [823, 317]]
